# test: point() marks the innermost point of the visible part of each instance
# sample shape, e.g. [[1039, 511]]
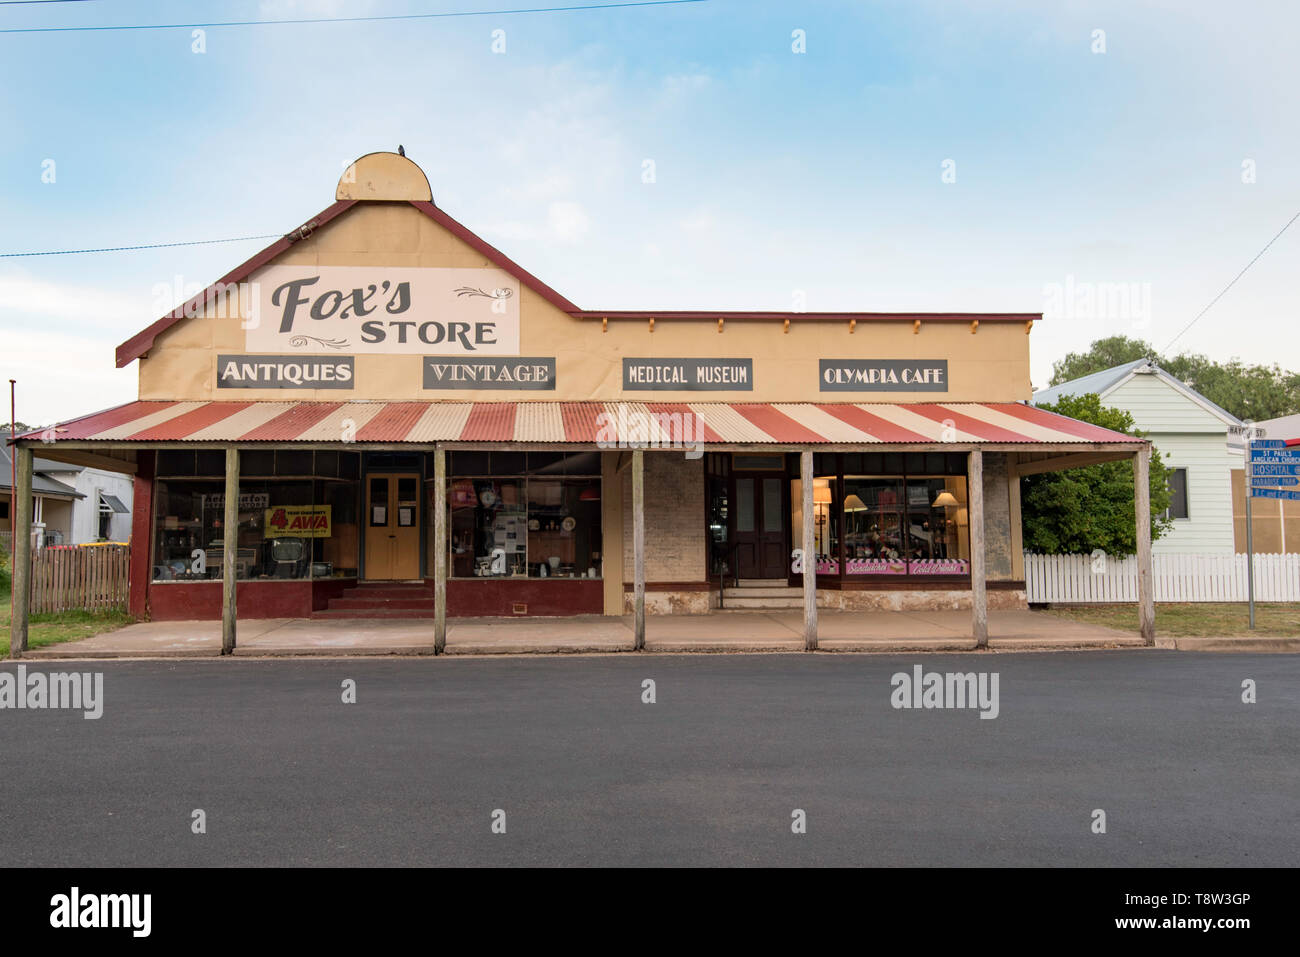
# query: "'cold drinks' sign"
[[381, 309]]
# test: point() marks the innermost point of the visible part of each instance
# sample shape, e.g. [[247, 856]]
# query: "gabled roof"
[[140, 344], [1108, 380]]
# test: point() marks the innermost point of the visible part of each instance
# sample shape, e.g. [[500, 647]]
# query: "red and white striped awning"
[[587, 423]]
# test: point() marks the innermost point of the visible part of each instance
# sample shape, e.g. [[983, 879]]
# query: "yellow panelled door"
[[392, 526]]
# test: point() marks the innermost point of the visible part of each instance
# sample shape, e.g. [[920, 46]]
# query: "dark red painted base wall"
[[201, 601], [474, 599]]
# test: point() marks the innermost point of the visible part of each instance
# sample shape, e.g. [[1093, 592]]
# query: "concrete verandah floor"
[[724, 632]]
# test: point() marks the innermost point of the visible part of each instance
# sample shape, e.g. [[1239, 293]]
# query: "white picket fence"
[[1085, 579]]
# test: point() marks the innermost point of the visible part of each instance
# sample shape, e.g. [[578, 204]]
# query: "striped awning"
[[587, 423]]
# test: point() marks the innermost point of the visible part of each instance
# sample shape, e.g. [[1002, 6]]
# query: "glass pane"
[[744, 505], [938, 540], [563, 517], [873, 526], [406, 489], [378, 502], [771, 505]]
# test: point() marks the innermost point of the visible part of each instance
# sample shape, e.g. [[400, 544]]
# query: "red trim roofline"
[[143, 341], [140, 344]]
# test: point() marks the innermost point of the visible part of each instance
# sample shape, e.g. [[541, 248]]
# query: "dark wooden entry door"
[[762, 515]]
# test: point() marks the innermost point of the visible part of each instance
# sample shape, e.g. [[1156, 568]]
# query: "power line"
[[406, 16], [119, 249], [14, 3], [1225, 289]]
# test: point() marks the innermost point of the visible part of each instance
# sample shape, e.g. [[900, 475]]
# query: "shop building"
[[380, 413]]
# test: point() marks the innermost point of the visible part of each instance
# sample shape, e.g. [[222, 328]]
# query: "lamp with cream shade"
[[944, 499]]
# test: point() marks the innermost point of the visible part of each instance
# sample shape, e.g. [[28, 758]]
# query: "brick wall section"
[[674, 519], [997, 517]]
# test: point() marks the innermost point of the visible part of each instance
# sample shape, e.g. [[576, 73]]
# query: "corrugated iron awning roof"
[[587, 423]]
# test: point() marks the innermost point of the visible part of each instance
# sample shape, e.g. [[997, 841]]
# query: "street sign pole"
[[1250, 557]]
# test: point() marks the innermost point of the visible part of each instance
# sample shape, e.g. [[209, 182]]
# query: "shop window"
[[210, 462], [523, 527], [287, 528], [874, 512], [257, 462], [938, 536], [826, 520]]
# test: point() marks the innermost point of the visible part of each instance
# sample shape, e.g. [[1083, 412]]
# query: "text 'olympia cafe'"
[[382, 350]]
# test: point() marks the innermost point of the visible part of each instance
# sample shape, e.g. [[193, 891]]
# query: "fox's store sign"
[[365, 309]]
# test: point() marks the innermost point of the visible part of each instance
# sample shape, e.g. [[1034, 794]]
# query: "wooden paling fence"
[[67, 577], [1086, 579]]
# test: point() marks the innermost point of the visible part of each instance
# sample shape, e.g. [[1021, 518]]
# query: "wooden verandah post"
[[20, 508], [638, 549], [978, 570], [229, 550], [1142, 516], [439, 551], [809, 546]]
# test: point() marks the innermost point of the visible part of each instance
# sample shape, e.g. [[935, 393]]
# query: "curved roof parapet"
[[384, 176]]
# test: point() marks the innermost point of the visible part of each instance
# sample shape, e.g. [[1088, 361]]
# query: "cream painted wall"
[[991, 365]]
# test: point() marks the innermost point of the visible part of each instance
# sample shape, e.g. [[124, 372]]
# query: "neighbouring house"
[[1275, 523], [1191, 434], [71, 504]]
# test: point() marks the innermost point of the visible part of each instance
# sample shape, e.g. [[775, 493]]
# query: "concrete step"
[[761, 583], [740, 603], [378, 604], [375, 613], [769, 591], [412, 590]]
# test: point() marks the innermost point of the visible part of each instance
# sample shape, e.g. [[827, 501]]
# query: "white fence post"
[[1069, 579]]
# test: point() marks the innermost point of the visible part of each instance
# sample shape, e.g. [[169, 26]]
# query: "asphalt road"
[[586, 773]]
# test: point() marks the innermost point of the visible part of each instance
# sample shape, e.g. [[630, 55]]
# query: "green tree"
[[1102, 354], [1078, 510], [1253, 392]]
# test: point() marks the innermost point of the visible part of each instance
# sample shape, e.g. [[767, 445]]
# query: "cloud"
[[566, 222], [75, 304]]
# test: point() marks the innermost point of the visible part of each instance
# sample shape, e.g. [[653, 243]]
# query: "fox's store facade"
[[382, 404]]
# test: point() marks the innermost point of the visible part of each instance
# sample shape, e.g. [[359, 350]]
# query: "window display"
[[287, 528], [523, 525]]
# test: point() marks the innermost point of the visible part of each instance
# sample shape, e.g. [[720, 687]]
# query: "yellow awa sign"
[[298, 521]]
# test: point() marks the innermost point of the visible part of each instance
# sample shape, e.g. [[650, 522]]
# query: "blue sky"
[[777, 173]]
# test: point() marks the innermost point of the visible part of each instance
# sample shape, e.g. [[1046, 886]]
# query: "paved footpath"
[[587, 773]]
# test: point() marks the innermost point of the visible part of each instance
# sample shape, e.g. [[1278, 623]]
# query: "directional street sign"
[[1274, 455], [1263, 481], [1274, 493], [1290, 469], [1268, 444]]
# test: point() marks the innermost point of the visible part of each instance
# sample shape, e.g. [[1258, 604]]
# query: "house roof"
[[140, 344], [1107, 380], [41, 484]]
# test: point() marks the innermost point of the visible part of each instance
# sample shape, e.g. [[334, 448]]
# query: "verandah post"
[[638, 549], [978, 585], [1142, 515], [20, 508], [809, 552], [439, 551], [229, 549]]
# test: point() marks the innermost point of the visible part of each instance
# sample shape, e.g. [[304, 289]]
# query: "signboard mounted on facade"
[[882, 375], [383, 310], [688, 375], [285, 372]]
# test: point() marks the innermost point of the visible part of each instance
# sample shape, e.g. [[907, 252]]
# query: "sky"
[[1111, 164]]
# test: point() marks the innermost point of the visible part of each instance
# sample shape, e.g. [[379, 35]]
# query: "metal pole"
[[1250, 540], [13, 483]]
